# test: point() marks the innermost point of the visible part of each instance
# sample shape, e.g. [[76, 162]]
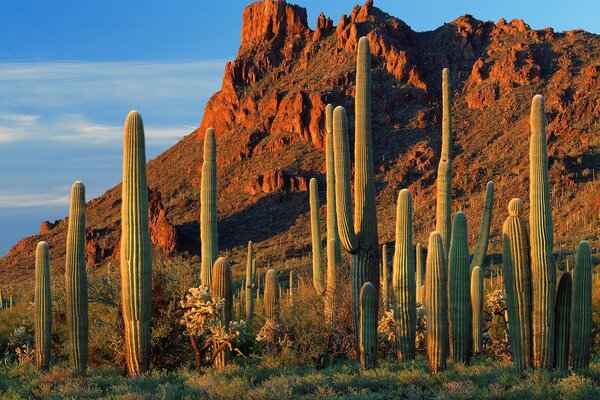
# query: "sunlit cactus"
[[581, 311], [368, 336], [437, 304], [318, 272], [484, 229], [250, 281], [385, 297], [221, 288], [271, 295], [419, 272], [208, 208], [42, 317], [477, 308], [563, 321], [332, 229], [444, 173]]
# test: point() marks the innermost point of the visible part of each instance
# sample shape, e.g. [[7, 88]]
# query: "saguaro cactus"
[[368, 336], [271, 294], [291, 290], [543, 270], [420, 272], [385, 296], [76, 285], [250, 281], [208, 207], [563, 317], [444, 173], [315, 227], [459, 291], [332, 229], [484, 229], [136, 251], [43, 307], [331, 295], [221, 287], [358, 235], [403, 278], [581, 312], [437, 304], [517, 283], [477, 307]]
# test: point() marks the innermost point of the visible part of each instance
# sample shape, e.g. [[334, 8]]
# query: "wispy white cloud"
[[21, 200]]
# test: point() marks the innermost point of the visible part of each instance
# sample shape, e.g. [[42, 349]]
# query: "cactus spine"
[[581, 311], [459, 291], [43, 307], [76, 285], [444, 173], [250, 281], [208, 208], [437, 304], [420, 272], [484, 229], [271, 294], [315, 227], [332, 229], [517, 283], [403, 278], [368, 317], [543, 270], [385, 297], [563, 319], [477, 307], [136, 252], [358, 235], [221, 288]]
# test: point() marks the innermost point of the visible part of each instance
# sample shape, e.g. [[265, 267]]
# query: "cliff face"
[[269, 121]]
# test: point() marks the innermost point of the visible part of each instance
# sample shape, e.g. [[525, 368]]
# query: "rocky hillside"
[[270, 128]]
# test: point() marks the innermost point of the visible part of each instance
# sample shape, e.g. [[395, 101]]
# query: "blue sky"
[[71, 70]]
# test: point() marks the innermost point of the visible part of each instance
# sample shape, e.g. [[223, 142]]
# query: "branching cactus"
[[543, 271], [221, 288], [477, 307], [403, 278], [385, 297], [581, 311], [368, 317], [484, 229], [76, 285], [271, 294], [43, 307], [420, 272], [315, 227], [459, 291], [208, 208], [332, 229], [563, 321], [358, 234], [437, 304], [136, 251], [517, 283], [444, 173], [250, 281]]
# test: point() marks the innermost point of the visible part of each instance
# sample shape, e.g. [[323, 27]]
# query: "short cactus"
[[208, 208], [581, 310], [403, 278], [563, 321], [368, 336], [43, 307], [271, 294], [221, 288], [76, 285], [477, 307], [437, 304], [136, 251]]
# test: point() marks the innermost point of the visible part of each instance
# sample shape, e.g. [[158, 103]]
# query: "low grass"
[[253, 379]]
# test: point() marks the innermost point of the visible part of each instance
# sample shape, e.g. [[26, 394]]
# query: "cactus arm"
[[315, 227], [484, 229], [477, 307], [332, 229]]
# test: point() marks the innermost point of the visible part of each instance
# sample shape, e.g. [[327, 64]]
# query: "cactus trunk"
[[315, 228], [563, 321], [385, 297], [437, 304], [477, 307], [76, 285], [420, 272], [581, 311], [221, 287], [368, 317], [444, 173], [332, 229], [403, 278], [43, 307], [271, 295], [136, 252], [331, 295], [250, 281], [208, 208], [459, 291], [543, 270], [484, 229]]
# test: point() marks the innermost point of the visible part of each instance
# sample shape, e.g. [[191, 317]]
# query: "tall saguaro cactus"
[[315, 227], [368, 336], [76, 285], [517, 283], [136, 251], [358, 235], [459, 291], [332, 229], [477, 307], [543, 270], [250, 281], [484, 229], [221, 287], [443, 207], [208, 208], [403, 278], [563, 321], [581, 311], [271, 294], [385, 296], [437, 304], [43, 307]]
